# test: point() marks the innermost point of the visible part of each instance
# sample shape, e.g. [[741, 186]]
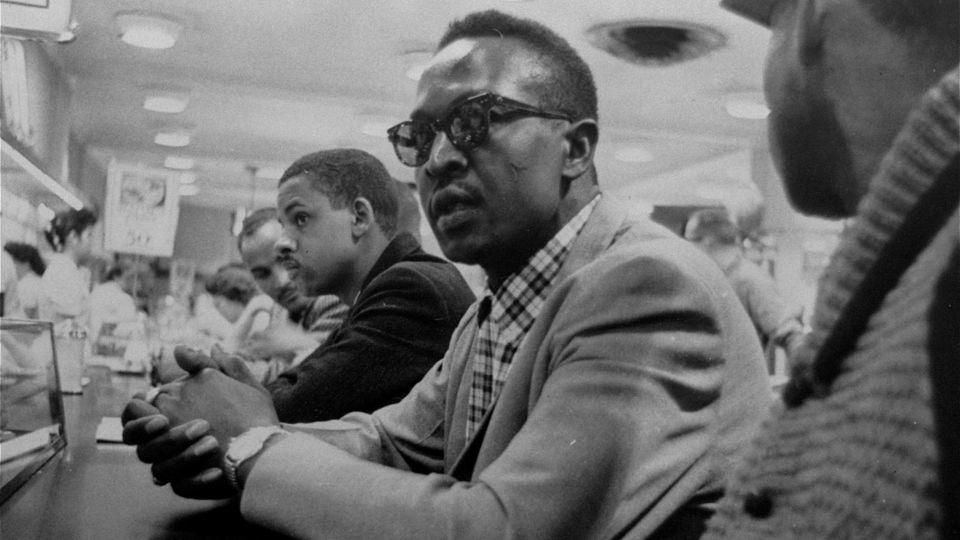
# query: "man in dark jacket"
[[339, 211]]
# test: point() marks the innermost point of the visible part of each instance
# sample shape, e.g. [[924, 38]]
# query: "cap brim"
[[758, 11]]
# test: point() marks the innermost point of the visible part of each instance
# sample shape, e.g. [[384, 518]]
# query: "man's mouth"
[[452, 208], [289, 296], [292, 266]]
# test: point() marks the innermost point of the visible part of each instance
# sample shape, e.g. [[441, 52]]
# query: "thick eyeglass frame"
[[471, 138]]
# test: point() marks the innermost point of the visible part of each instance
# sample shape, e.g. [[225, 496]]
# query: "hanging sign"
[[141, 211]]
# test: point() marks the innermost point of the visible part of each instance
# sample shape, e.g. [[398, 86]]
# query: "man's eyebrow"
[[292, 204]]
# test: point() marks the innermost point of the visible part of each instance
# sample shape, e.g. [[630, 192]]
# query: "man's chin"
[[460, 252]]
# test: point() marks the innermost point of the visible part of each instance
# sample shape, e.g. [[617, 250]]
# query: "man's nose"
[[285, 245], [445, 160]]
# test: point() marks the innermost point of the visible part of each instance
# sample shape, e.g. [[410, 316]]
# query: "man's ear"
[[363, 217], [580, 143], [809, 30]]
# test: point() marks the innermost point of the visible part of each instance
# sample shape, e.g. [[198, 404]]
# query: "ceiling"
[[271, 80]]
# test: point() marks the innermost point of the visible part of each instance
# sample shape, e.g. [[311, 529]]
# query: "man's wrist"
[[244, 450]]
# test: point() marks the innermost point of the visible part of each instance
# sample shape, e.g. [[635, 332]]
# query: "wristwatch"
[[245, 446]]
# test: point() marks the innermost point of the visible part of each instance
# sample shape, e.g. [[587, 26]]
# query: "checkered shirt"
[[506, 315]]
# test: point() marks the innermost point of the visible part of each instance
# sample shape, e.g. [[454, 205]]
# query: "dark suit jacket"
[[400, 325]]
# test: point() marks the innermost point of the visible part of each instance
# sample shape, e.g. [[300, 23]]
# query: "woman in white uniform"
[[63, 288]]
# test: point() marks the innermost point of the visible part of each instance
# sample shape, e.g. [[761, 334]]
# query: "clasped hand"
[[184, 433]]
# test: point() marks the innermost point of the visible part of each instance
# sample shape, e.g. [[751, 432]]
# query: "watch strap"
[[243, 447]]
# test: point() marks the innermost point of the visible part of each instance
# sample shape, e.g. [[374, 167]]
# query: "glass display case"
[[31, 408]]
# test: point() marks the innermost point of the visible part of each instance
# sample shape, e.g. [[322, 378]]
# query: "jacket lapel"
[[601, 230]]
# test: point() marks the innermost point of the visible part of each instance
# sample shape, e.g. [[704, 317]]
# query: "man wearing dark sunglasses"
[[599, 388], [865, 123]]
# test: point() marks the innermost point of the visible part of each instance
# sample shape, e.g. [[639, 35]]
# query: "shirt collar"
[[532, 282]]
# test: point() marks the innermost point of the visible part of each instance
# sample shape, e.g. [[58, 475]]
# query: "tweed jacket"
[[625, 405], [400, 325], [864, 448]]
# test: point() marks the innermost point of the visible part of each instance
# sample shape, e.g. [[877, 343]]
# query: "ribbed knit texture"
[[858, 457]]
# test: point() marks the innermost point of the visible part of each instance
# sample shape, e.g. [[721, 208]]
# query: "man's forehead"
[[758, 11], [259, 247], [294, 190], [469, 66]]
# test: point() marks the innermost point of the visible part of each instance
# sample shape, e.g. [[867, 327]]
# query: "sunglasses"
[[467, 125]]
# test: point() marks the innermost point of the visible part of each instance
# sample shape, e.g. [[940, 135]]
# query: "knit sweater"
[[858, 448]]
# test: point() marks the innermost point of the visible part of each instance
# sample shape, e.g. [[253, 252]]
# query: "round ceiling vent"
[[655, 42]]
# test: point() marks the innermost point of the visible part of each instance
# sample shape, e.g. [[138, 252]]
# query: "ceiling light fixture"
[[179, 163], [174, 139], [633, 154], [167, 104], [746, 105], [147, 29]]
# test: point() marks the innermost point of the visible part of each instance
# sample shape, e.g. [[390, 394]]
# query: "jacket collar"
[[402, 246]]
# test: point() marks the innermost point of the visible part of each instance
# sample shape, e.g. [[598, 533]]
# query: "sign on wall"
[[141, 210]]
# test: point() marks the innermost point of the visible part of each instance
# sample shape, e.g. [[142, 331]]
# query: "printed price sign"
[[141, 210]]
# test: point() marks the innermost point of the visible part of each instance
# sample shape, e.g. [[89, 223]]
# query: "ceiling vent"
[[655, 42]]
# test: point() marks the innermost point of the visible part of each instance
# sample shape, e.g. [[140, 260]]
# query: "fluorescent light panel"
[[747, 105], [179, 163], [148, 30], [174, 139], [166, 104]]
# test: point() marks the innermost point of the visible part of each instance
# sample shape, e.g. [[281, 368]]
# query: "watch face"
[[249, 443]]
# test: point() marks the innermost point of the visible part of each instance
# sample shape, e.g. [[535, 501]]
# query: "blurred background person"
[[29, 267], [110, 302], [64, 289], [8, 283], [777, 320], [302, 322], [238, 299]]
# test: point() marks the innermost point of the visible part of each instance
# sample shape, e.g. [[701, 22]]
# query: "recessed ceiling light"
[[270, 173], [188, 178], [178, 162], [148, 30], [175, 139], [747, 105], [633, 154], [168, 104], [188, 190]]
